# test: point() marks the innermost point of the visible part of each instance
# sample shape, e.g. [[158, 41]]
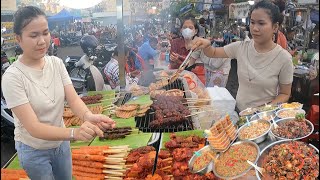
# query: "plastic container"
[[167, 56], [222, 99]]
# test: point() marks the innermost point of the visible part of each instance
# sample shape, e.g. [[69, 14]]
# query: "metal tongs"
[[183, 65]]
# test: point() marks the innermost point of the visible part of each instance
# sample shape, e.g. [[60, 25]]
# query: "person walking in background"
[[148, 51], [35, 88]]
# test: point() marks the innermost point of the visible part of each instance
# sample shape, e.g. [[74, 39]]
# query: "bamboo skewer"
[[164, 168], [117, 167], [113, 172], [196, 113], [112, 178]]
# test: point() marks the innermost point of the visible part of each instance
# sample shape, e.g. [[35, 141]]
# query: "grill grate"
[[143, 122]]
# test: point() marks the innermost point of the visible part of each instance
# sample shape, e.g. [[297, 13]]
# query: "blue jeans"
[[51, 164]]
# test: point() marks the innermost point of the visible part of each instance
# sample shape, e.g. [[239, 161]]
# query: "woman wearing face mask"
[[265, 69], [180, 47]]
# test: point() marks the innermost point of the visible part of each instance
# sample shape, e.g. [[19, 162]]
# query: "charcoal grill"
[[142, 123]]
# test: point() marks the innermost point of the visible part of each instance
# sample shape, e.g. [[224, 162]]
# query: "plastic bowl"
[[298, 111]]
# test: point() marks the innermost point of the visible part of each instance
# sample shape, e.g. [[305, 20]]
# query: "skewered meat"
[[182, 141], [163, 154], [168, 111], [181, 154], [113, 136], [144, 149], [116, 133], [145, 161], [136, 153], [92, 99]]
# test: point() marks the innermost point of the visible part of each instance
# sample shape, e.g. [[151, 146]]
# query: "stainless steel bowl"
[[279, 121], [260, 109], [263, 114], [260, 138], [281, 106], [243, 173], [298, 111], [249, 112], [266, 151], [205, 169]]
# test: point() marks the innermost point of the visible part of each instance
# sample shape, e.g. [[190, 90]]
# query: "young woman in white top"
[[265, 69], [35, 88]]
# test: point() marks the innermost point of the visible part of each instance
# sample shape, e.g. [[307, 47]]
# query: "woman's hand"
[[201, 43], [174, 57], [102, 121], [135, 73], [87, 131]]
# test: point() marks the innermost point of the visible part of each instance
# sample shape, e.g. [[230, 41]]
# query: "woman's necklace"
[[267, 65], [39, 86]]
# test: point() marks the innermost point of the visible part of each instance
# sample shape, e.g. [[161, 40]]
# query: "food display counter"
[[158, 136]]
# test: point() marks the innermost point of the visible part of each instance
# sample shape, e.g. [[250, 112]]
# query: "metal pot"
[[260, 138]]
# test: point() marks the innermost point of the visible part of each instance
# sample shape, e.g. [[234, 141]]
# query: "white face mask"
[[187, 33]]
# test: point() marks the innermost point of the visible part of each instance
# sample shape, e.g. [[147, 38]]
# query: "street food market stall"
[[158, 133], [171, 127]]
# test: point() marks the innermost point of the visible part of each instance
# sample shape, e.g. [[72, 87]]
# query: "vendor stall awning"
[[63, 15]]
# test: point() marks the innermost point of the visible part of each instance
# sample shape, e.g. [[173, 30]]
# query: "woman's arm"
[[284, 94], [39, 130], [81, 110], [208, 50]]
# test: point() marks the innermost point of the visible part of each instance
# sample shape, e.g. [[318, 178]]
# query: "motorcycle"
[[4, 61], [84, 71]]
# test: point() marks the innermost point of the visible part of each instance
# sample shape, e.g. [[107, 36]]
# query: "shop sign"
[[8, 5], [308, 1], [239, 10]]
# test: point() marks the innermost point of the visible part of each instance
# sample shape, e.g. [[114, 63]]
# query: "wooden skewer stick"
[[167, 159], [196, 113], [119, 147], [109, 99], [113, 151], [164, 168], [118, 167], [112, 178], [112, 172], [122, 155]]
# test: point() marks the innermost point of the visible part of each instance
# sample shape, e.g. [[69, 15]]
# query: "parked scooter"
[[83, 73]]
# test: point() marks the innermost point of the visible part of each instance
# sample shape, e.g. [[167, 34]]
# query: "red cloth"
[[200, 72], [177, 46], [282, 40], [313, 116], [56, 41]]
